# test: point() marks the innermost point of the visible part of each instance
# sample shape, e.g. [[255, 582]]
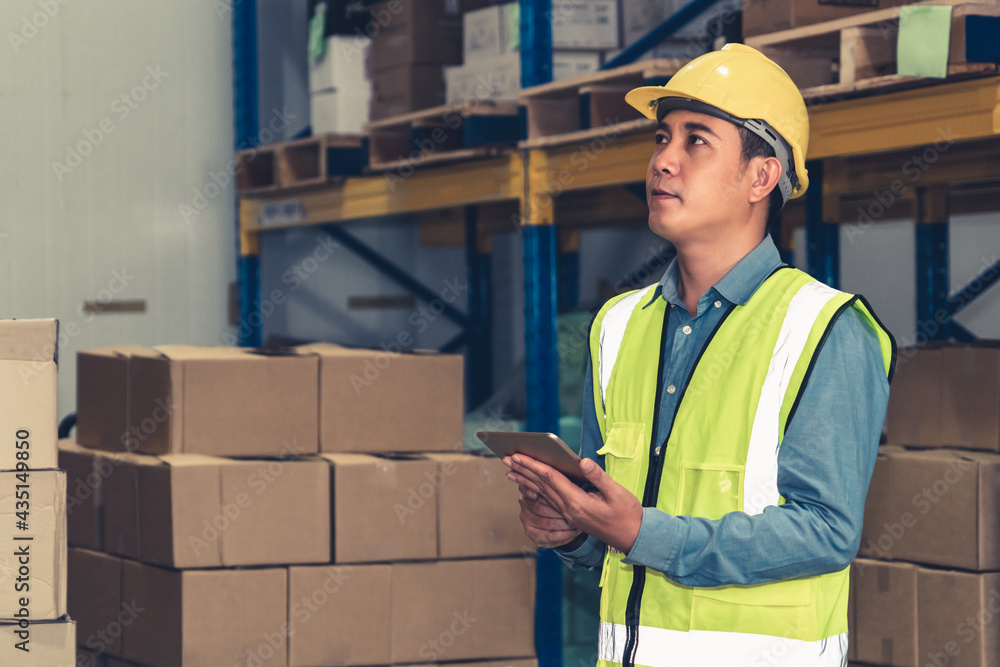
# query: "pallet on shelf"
[[858, 54], [300, 163], [448, 133], [572, 107]]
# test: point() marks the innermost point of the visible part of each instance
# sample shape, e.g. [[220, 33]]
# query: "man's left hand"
[[610, 513]]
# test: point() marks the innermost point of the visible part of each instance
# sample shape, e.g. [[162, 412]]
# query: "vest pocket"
[[777, 609], [622, 453], [710, 490]]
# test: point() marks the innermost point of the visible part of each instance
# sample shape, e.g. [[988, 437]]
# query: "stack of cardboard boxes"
[[491, 69], [303, 509], [34, 628], [926, 590]]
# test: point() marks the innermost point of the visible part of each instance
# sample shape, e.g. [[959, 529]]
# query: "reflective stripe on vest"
[[720, 457], [658, 647]]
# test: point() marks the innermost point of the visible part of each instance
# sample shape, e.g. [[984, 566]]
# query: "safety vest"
[[721, 456]]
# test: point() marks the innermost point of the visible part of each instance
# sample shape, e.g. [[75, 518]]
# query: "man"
[[736, 405]]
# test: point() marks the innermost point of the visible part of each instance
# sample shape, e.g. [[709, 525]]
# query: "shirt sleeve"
[[824, 468], [591, 553]]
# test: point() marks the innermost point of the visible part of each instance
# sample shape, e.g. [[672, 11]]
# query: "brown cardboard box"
[[953, 499], [34, 535], [418, 31], [971, 397], [882, 511], [886, 608], [48, 643], [206, 618], [28, 352], [189, 510], [913, 416], [222, 401], [404, 88], [102, 396], [95, 601], [463, 610], [339, 615], [383, 508], [764, 16], [86, 473], [958, 614], [478, 512], [374, 401]]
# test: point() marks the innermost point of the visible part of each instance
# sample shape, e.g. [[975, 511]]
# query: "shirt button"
[[718, 304], [686, 329], [671, 389], [657, 450]]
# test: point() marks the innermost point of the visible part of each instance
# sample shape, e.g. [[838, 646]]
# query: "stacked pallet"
[[302, 509], [926, 589], [34, 628]]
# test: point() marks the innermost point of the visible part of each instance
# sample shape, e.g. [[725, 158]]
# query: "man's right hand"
[[543, 525]]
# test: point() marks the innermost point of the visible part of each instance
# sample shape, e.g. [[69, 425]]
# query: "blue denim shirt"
[[824, 465]]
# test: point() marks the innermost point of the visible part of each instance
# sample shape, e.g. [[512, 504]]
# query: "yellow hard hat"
[[742, 85]]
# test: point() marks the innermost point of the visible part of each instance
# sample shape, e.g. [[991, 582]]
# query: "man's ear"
[[766, 172]]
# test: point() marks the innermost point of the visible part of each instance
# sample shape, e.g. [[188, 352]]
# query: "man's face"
[[696, 183]]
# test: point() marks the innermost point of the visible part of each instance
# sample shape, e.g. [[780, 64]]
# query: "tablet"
[[546, 447]]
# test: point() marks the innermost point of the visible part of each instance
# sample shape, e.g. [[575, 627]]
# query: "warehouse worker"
[[736, 405]]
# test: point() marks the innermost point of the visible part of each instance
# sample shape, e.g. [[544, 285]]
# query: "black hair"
[[753, 146]]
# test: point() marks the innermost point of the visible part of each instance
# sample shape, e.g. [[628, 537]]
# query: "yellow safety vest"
[[721, 456]]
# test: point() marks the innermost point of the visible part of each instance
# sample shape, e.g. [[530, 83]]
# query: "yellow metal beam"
[[485, 181], [950, 112]]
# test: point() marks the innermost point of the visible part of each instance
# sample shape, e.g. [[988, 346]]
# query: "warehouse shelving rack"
[[941, 144]]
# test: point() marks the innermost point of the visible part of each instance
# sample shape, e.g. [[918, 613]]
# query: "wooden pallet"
[[298, 164], [439, 135], [857, 55], [588, 102]]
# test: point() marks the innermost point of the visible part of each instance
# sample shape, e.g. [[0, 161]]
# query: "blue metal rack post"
[[246, 126], [822, 239], [540, 305], [479, 342], [933, 312]]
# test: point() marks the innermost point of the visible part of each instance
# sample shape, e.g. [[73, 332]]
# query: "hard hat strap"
[[782, 151]]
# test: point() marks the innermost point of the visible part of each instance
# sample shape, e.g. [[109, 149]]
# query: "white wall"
[[110, 224]]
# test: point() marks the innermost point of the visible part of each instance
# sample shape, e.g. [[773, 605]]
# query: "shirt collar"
[[738, 285]]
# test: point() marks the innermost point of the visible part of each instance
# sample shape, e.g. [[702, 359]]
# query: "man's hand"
[[611, 513], [542, 524]]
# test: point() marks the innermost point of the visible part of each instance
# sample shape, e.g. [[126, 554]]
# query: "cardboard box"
[[222, 401], [86, 472], [383, 508], [28, 386], [206, 618], [477, 507], [585, 24], [495, 79], [339, 615], [879, 530], [639, 17], [95, 601], [500, 78], [33, 536], [342, 111], [48, 644], [886, 609], [491, 32], [405, 88], [463, 610], [102, 396], [764, 16], [943, 509], [958, 614], [344, 64], [375, 401], [188, 510], [970, 397], [913, 416], [421, 31]]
